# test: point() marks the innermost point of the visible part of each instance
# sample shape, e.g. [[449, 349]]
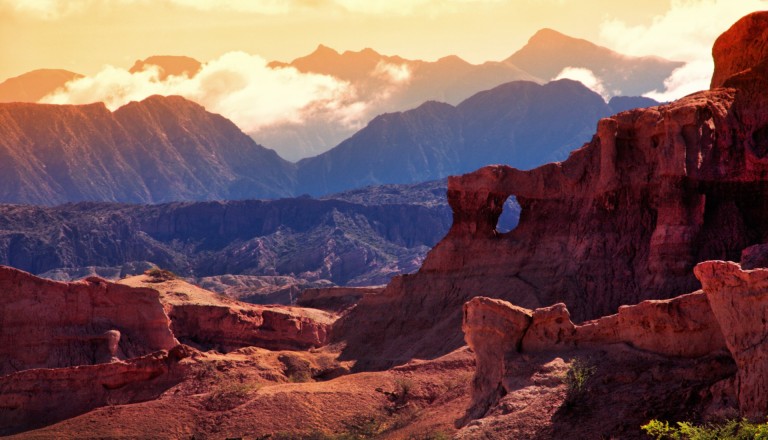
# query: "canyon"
[[632, 288]]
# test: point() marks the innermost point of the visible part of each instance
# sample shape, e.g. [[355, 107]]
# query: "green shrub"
[[727, 430], [577, 376]]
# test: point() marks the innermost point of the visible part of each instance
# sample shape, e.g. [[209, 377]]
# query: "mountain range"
[[391, 83], [360, 238], [167, 149], [160, 149]]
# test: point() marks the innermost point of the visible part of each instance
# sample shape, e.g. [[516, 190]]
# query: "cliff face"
[[680, 335], [624, 219], [47, 324], [160, 149]]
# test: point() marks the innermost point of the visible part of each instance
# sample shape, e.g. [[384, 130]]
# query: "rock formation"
[[47, 324], [739, 302], [201, 318], [33, 398], [335, 298], [624, 219]]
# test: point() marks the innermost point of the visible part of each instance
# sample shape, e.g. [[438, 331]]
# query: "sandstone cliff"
[[47, 324], [624, 219]]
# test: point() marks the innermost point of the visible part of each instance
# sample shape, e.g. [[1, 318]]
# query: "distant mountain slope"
[[386, 84], [548, 52], [312, 239], [34, 85], [160, 149], [169, 65], [521, 123]]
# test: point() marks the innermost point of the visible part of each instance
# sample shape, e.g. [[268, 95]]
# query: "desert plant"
[[727, 430], [157, 275], [228, 395], [576, 377], [295, 368]]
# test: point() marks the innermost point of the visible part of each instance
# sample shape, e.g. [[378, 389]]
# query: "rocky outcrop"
[[335, 298], [33, 398], [740, 48], [48, 324], [740, 304], [203, 319], [624, 219], [682, 327]]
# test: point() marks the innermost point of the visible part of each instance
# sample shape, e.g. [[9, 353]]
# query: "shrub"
[[577, 376], [228, 396], [157, 275], [727, 430]]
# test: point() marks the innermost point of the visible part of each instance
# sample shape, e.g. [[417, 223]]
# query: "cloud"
[[586, 77], [394, 73], [686, 32], [239, 86]]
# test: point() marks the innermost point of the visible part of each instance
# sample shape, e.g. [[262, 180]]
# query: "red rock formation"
[[624, 219], [33, 398], [335, 298], [202, 318], [740, 303], [48, 324], [492, 328], [682, 327], [740, 48]]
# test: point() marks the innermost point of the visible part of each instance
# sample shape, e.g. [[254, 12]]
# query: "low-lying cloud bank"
[[239, 86]]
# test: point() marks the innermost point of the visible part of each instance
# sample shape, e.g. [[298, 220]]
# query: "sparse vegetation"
[[228, 396], [576, 378], [728, 430], [157, 275], [295, 368]]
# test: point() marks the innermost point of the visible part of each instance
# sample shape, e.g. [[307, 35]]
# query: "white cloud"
[[237, 85], [395, 73], [684, 33], [586, 77]]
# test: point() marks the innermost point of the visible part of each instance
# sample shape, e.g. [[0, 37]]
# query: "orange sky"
[[84, 35]]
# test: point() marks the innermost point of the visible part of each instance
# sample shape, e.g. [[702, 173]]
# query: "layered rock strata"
[[38, 397], [624, 219], [728, 316], [739, 302], [209, 321], [48, 324]]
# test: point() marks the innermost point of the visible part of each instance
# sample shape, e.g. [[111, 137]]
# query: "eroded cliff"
[[624, 219]]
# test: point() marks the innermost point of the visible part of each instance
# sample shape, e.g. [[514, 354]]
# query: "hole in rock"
[[510, 215]]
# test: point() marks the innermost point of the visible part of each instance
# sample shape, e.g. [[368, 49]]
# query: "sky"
[[237, 38], [85, 35]]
